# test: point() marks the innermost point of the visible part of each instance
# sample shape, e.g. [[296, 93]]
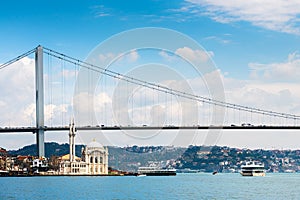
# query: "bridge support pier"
[[39, 84]]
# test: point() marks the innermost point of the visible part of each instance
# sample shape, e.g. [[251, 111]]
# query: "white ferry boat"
[[156, 171], [253, 168], [4, 173]]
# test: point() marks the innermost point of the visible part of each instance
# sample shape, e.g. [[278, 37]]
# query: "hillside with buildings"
[[225, 159], [130, 158], [121, 158], [197, 158]]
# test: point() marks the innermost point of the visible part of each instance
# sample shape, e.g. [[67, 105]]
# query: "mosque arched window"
[[91, 159]]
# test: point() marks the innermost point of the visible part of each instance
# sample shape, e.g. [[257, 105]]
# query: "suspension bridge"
[[151, 94]]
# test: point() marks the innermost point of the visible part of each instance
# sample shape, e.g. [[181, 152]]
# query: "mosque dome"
[[95, 144]]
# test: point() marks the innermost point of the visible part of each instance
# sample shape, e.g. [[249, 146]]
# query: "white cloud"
[[132, 56], [167, 56], [86, 105], [101, 100], [273, 86], [107, 58], [218, 39], [277, 15], [2, 103], [101, 11], [16, 92], [29, 114], [272, 89], [68, 74], [194, 55], [288, 71], [17, 95]]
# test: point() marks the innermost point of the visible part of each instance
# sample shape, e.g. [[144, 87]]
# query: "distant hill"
[[51, 149], [128, 159], [206, 159], [225, 159]]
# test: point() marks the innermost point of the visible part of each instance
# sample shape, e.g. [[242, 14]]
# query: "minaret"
[[72, 141]]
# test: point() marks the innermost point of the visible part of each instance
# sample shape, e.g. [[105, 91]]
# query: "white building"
[[93, 161], [96, 157]]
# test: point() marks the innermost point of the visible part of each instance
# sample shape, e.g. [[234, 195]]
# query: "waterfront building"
[[96, 157], [93, 161], [40, 164], [3, 155]]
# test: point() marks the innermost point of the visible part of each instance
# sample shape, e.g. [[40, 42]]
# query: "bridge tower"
[[39, 85]]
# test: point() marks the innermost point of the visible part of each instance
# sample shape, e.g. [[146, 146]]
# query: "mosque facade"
[[93, 161]]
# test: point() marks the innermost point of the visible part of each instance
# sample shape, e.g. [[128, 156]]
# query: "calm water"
[[182, 186]]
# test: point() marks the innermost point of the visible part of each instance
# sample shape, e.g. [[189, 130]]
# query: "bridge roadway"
[[106, 128]]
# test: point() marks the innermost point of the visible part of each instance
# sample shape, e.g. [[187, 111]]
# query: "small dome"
[[95, 144]]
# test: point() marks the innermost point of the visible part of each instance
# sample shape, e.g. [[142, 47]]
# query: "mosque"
[[93, 161]]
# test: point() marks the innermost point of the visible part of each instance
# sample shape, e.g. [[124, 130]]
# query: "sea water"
[[182, 186]]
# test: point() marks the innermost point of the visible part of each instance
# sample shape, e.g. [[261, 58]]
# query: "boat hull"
[[160, 174], [155, 171], [253, 173]]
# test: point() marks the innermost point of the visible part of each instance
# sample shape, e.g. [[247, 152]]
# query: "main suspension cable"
[[2, 66], [168, 90]]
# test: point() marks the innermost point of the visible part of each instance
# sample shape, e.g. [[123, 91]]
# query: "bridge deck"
[[106, 128]]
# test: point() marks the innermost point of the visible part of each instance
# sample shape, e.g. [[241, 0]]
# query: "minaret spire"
[[72, 140]]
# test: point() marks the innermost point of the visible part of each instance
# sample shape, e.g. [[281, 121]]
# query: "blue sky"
[[254, 44], [76, 27]]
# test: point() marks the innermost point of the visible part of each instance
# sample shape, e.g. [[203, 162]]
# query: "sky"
[[253, 45]]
